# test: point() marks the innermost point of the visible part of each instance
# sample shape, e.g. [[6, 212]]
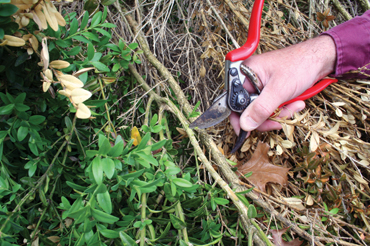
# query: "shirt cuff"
[[352, 41]]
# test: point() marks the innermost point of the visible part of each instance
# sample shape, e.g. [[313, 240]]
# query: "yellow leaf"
[[83, 112], [50, 17], [82, 71], [45, 54], [80, 95], [49, 74], [66, 93], [45, 86], [59, 64], [70, 81], [39, 18], [135, 135], [14, 41]]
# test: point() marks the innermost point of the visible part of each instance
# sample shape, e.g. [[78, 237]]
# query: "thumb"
[[260, 109]]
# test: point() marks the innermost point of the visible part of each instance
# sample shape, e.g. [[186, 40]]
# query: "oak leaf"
[[279, 241], [263, 171]]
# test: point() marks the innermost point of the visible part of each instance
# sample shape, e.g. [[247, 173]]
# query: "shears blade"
[[213, 115]]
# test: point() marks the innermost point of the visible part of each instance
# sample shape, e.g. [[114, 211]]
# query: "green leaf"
[[133, 46], [148, 158], [100, 66], [172, 170], [177, 223], [76, 186], [84, 21], [104, 145], [252, 212], [107, 2], [158, 145], [103, 217], [91, 36], [164, 210], [33, 146], [247, 175], [105, 13], [10, 98], [73, 27], [137, 224], [97, 170], [74, 51], [96, 19], [5, 110], [116, 150], [105, 201], [21, 107], [108, 25], [126, 239], [36, 119], [109, 233], [20, 98], [243, 199], [199, 212], [22, 133], [21, 59], [82, 39], [66, 204], [7, 9], [245, 191], [95, 103], [144, 141], [182, 182], [334, 211], [154, 120], [221, 201], [4, 98], [32, 169], [108, 167], [104, 32], [90, 51], [164, 233]]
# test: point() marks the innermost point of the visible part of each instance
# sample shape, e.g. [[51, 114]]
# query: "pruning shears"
[[236, 98]]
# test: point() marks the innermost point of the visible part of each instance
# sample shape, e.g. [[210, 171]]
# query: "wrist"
[[323, 51]]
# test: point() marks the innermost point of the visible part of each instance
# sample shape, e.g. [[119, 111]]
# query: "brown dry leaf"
[[279, 241], [182, 132], [314, 141], [59, 64], [14, 41], [54, 239], [82, 71], [294, 203], [263, 171]]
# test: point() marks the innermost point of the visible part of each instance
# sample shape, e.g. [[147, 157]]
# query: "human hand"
[[284, 74]]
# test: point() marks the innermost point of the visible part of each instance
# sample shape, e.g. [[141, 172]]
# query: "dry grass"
[[190, 39]]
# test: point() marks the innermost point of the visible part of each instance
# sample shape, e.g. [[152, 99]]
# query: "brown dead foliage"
[[263, 171], [326, 146]]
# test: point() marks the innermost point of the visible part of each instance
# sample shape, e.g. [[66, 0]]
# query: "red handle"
[[253, 35], [314, 90]]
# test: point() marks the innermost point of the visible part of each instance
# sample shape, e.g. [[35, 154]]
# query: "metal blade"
[[214, 115]]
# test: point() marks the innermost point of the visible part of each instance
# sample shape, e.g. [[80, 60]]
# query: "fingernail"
[[248, 124]]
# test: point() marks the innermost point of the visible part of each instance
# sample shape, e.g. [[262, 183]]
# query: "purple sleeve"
[[352, 41]]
